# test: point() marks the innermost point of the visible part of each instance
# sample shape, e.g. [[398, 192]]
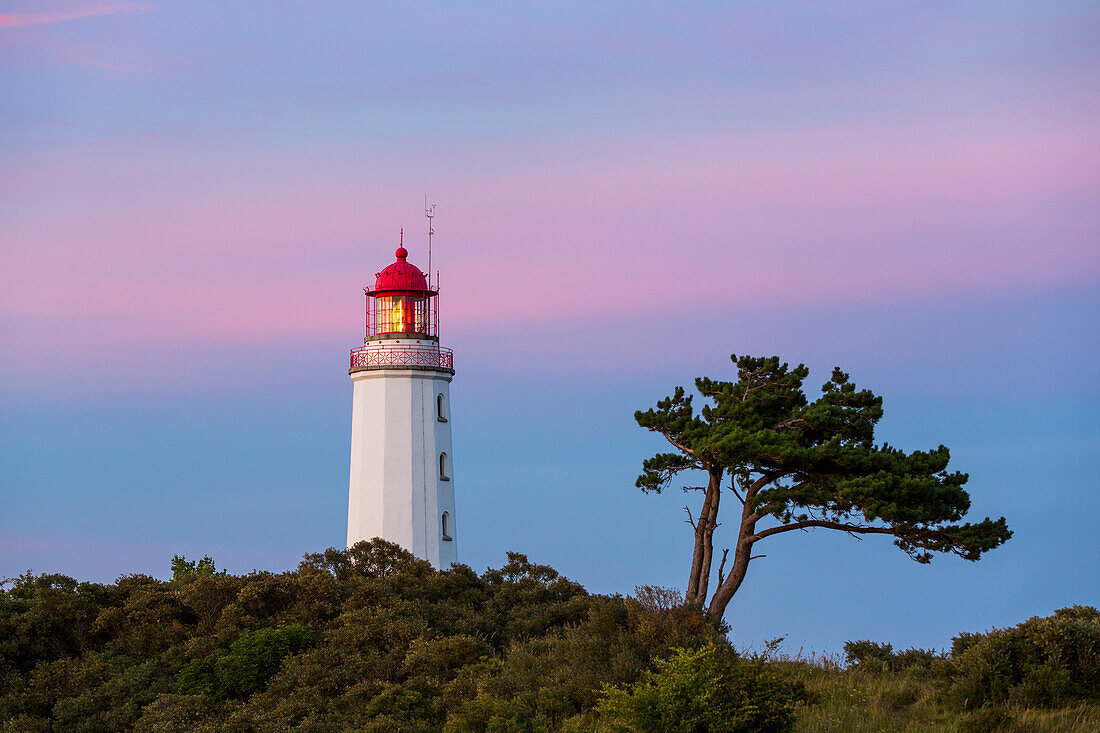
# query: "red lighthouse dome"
[[402, 303], [401, 275]]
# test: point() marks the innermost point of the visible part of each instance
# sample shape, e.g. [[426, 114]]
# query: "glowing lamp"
[[401, 305]]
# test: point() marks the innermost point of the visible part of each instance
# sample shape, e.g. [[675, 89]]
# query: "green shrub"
[[1043, 662], [247, 665], [706, 690], [556, 677], [442, 658], [869, 655], [373, 639], [964, 641]]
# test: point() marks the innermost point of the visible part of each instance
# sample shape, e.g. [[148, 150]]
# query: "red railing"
[[401, 356]]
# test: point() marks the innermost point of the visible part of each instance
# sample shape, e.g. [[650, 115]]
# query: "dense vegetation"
[[372, 639], [1042, 675], [365, 639]]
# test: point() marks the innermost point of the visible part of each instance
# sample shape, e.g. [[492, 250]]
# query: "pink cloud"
[[24, 20], [275, 248]]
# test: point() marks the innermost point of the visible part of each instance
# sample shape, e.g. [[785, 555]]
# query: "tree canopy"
[[793, 464]]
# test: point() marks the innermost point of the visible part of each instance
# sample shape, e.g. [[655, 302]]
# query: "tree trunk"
[[738, 569], [699, 580], [742, 555], [713, 487]]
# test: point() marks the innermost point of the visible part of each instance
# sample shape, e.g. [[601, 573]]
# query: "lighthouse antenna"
[[429, 213]]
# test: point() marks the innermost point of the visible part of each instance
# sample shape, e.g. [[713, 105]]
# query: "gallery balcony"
[[400, 356]]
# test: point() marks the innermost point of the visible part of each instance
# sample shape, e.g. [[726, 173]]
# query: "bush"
[[1042, 662], [248, 664], [549, 680], [869, 656], [705, 690], [368, 638], [371, 638]]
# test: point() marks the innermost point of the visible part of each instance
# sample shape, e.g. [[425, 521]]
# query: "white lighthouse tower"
[[401, 483]]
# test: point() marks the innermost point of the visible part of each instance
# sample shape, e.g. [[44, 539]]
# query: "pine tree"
[[794, 464]]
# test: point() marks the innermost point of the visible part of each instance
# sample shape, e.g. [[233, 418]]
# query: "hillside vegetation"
[[372, 639]]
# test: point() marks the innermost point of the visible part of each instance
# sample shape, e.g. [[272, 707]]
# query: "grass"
[[852, 701], [856, 701]]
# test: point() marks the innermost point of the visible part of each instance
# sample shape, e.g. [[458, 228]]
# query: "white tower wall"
[[397, 436]]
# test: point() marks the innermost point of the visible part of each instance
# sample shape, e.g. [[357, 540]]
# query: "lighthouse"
[[402, 486]]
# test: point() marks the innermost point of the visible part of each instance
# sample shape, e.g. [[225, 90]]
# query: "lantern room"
[[402, 304]]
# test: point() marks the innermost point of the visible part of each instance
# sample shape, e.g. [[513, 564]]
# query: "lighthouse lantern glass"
[[394, 314]]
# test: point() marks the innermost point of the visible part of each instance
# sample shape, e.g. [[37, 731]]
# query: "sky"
[[192, 196]]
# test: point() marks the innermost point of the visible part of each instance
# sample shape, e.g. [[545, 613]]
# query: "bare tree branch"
[[790, 423], [759, 483], [690, 520], [752, 491], [677, 446], [721, 565], [850, 528]]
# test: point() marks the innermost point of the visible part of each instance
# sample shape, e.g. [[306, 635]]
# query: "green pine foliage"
[[793, 464]]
